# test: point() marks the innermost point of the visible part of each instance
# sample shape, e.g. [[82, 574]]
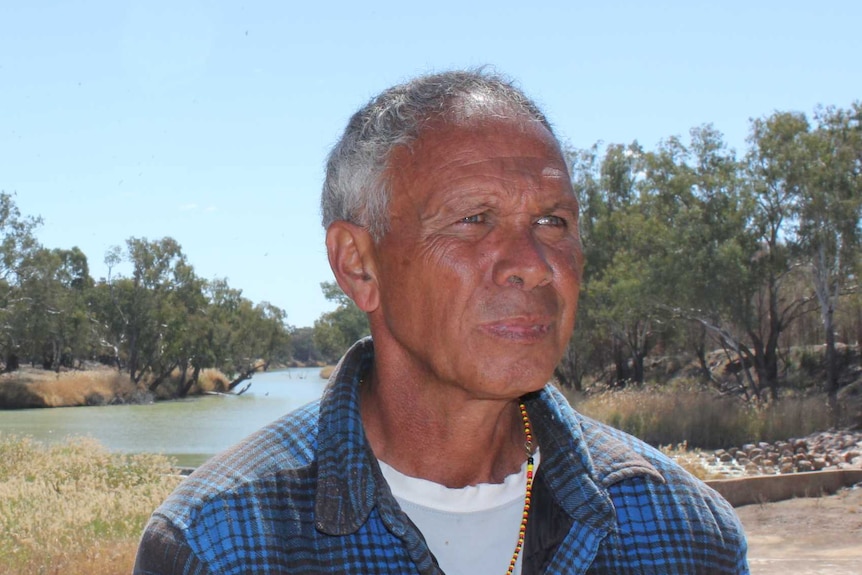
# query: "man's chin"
[[524, 378]]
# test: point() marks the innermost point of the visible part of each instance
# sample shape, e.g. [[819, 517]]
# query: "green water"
[[191, 430]]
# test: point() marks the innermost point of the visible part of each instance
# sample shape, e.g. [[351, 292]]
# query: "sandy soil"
[[806, 536]]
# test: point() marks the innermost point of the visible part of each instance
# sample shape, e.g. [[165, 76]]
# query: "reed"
[[699, 419], [74, 507], [29, 388]]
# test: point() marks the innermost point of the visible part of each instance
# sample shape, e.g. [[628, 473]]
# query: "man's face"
[[479, 272]]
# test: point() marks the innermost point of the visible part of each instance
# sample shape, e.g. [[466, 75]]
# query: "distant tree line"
[[691, 247], [333, 332], [160, 318]]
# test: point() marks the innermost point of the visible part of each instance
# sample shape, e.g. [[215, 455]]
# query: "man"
[[438, 445]]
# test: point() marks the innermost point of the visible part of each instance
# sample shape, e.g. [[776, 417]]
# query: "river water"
[[190, 430]]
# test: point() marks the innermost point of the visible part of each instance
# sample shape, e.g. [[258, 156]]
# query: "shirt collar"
[[345, 481], [581, 458]]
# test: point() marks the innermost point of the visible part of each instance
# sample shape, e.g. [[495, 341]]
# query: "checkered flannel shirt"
[[305, 495]]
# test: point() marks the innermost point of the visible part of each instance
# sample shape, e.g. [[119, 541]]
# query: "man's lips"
[[519, 329]]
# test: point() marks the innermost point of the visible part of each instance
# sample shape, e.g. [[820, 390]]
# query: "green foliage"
[[50, 318], [337, 330], [690, 247], [165, 317], [302, 344], [160, 318]]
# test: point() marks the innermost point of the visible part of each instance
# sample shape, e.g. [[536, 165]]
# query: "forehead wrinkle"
[[514, 169], [481, 190]]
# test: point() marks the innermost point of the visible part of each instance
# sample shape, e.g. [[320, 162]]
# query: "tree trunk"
[[133, 357], [162, 376], [831, 355], [12, 362], [242, 377], [638, 361], [699, 345], [184, 390], [621, 362], [567, 371]]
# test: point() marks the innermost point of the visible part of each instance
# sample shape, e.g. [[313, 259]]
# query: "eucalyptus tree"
[[262, 337], [700, 190], [182, 311], [336, 330], [302, 348], [17, 239], [145, 312], [17, 242], [621, 244], [231, 333], [829, 209], [54, 320], [585, 352], [775, 166]]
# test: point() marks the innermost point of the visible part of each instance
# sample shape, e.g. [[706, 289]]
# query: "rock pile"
[[816, 452]]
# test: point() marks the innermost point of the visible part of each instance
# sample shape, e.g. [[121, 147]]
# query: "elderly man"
[[438, 445]]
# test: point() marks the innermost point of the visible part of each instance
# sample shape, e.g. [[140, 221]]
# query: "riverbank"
[[30, 387]]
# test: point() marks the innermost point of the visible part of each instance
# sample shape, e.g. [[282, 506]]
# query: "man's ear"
[[352, 258]]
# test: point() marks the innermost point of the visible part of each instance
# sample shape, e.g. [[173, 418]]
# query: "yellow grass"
[[80, 388], [30, 387], [208, 380], [325, 372], [74, 508], [669, 416]]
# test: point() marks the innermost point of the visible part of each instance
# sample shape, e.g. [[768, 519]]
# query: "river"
[[190, 430]]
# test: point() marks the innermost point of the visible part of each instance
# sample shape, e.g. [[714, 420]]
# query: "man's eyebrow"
[[475, 203]]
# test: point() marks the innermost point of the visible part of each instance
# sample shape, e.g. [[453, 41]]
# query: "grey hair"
[[356, 189]]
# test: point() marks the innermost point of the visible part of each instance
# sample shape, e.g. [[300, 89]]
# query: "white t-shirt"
[[472, 530]]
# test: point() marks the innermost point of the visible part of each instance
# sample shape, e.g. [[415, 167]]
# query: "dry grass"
[[326, 372], [74, 508], [28, 387], [208, 380], [83, 388], [666, 416]]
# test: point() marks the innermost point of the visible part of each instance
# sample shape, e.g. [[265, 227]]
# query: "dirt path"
[[806, 536]]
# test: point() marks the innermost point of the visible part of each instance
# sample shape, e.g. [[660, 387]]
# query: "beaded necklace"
[[528, 445]]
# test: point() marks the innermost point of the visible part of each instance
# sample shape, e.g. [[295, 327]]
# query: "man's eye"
[[552, 221], [474, 219]]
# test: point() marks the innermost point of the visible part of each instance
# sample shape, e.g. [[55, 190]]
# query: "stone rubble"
[[823, 450]]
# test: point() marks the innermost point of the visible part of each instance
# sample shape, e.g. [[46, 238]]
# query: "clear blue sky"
[[210, 121]]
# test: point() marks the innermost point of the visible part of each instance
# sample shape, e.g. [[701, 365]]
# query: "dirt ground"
[[806, 536]]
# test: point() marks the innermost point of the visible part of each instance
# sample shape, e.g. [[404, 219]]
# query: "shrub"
[[73, 507]]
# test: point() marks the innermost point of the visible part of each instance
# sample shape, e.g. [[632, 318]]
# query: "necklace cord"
[[522, 530]]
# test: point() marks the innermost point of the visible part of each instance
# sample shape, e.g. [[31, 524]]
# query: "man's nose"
[[522, 262]]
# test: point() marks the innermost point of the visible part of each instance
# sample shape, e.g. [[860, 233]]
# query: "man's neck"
[[432, 431]]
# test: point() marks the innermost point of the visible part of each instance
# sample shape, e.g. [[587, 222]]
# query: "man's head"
[[452, 222], [356, 188]]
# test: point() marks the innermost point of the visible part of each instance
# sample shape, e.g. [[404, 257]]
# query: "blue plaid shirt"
[[305, 495]]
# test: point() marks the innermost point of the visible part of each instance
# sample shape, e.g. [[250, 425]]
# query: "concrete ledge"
[[771, 488]]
